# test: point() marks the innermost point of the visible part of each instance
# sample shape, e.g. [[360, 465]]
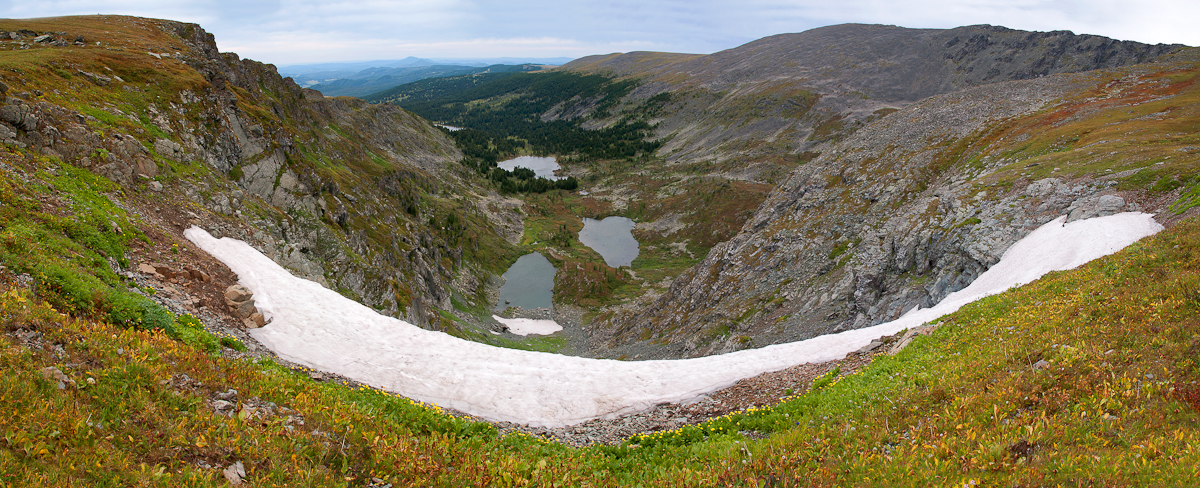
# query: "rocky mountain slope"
[[365, 198], [795, 93], [917, 204]]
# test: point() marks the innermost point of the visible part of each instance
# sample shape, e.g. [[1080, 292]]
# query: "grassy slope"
[[1116, 406]]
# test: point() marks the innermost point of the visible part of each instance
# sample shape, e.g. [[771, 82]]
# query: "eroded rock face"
[[866, 232]]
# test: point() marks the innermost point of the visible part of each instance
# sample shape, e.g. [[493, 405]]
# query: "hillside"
[[366, 199], [794, 93], [914, 206]]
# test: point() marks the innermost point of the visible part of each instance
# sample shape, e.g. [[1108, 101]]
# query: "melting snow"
[[529, 326], [321, 329]]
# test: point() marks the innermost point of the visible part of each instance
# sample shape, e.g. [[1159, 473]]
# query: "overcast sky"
[[286, 32]]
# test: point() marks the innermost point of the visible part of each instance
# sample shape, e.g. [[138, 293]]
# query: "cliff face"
[[915, 205], [354, 195]]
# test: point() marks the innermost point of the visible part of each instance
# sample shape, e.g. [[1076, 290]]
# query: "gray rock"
[[100, 80], [20, 116], [244, 309], [117, 171], [1109, 205], [54, 374], [170, 149], [234, 473], [1091, 207]]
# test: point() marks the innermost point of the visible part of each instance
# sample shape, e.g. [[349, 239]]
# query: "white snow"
[[525, 327], [324, 330]]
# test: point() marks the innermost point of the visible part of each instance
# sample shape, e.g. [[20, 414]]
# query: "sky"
[[289, 32]]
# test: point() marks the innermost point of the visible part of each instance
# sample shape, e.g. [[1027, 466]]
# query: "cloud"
[[292, 31], [296, 48]]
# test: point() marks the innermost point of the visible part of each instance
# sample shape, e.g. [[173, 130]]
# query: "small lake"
[[543, 167], [612, 238], [528, 283]]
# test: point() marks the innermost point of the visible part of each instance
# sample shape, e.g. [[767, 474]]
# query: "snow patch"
[[524, 327], [321, 329]]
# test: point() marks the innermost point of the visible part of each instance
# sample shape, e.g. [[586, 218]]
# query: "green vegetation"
[[368, 83], [519, 180], [502, 115], [70, 249], [72, 243], [1148, 123]]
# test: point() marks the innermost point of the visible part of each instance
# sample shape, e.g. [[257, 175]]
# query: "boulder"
[[170, 149], [166, 271], [144, 166], [1103, 206], [150, 270], [198, 275], [238, 293], [239, 300], [243, 310], [54, 374]]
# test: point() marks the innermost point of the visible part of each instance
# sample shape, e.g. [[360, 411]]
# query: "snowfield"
[[319, 328], [524, 327]]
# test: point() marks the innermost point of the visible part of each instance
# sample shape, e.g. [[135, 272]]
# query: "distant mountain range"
[[372, 80], [360, 78]]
